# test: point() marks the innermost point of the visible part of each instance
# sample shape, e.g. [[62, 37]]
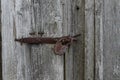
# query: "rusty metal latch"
[[61, 43]]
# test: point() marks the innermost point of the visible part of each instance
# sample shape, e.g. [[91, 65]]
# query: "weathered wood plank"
[[75, 57], [89, 39], [68, 67], [107, 40], [0, 46], [78, 23], [9, 57], [31, 62], [111, 38], [99, 40]]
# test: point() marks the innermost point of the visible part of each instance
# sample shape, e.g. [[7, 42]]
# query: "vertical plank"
[[111, 38], [31, 62], [0, 46], [89, 39], [68, 67], [107, 40], [78, 23], [99, 22], [75, 57], [9, 57]]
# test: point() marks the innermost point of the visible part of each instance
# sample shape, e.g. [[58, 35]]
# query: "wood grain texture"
[[0, 46], [111, 38], [74, 59], [31, 62], [99, 22], [78, 23], [89, 39], [107, 39]]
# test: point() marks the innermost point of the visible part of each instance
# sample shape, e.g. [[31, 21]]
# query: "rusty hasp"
[[46, 40], [61, 43], [37, 40]]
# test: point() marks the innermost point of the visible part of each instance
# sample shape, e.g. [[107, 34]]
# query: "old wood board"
[[38, 62]]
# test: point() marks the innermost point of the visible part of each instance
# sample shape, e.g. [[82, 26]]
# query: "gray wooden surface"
[[31, 62], [107, 50], [99, 21], [38, 62], [0, 47], [74, 59], [111, 40], [96, 55], [89, 40]]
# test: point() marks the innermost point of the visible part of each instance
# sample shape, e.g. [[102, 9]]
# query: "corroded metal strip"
[[46, 40]]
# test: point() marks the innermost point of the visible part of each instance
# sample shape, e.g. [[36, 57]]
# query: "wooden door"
[[38, 62], [96, 55]]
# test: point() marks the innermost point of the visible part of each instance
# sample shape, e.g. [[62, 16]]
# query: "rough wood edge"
[[98, 40], [89, 40]]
